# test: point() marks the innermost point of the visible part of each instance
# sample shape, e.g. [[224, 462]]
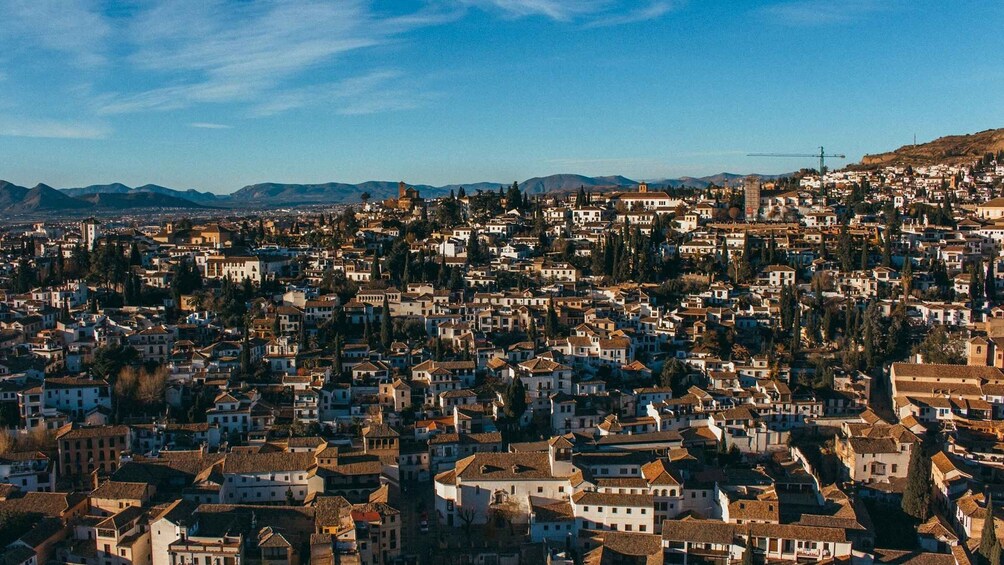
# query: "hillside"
[[44, 198], [119, 188], [951, 149], [117, 196], [11, 194], [566, 182], [129, 200]]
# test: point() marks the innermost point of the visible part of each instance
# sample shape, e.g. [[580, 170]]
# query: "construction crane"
[[822, 155]]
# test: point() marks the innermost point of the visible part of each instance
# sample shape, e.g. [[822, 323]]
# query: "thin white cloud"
[[593, 13], [209, 125], [72, 27], [823, 12], [561, 10], [652, 11], [374, 92], [53, 129], [223, 52]]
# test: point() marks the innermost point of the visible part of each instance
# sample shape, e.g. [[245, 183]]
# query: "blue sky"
[[215, 95]]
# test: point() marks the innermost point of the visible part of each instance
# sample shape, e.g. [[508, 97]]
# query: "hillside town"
[[802, 369]]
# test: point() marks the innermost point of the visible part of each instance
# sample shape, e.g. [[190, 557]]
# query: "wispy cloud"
[[823, 12], [53, 129], [254, 58], [212, 52], [650, 12], [593, 13], [562, 10], [209, 125], [381, 90], [75, 28]]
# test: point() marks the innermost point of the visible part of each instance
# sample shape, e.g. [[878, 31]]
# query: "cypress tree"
[[246, 352], [338, 355], [551, 328], [515, 399], [907, 276], [385, 327], [991, 282], [988, 536], [887, 250], [531, 330], [917, 495]]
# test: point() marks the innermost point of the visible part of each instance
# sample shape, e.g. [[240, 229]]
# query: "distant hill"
[[43, 199], [119, 188], [135, 199], [118, 196], [566, 182], [11, 194], [720, 179], [951, 149], [338, 192], [293, 194]]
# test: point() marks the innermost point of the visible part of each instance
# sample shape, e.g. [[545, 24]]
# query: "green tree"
[[991, 282], [843, 246], [107, 362], [907, 277], [135, 258], [940, 348], [917, 494], [337, 356], [14, 524], [386, 334], [515, 399], [988, 536], [551, 323], [673, 375], [475, 254], [26, 277], [246, 350]]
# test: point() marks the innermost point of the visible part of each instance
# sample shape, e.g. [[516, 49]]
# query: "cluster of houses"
[[297, 435]]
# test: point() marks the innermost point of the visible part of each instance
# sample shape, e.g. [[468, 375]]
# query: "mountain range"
[[43, 199], [103, 198]]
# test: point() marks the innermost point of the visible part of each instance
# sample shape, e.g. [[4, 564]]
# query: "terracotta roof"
[[116, 490], [251, 463]]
